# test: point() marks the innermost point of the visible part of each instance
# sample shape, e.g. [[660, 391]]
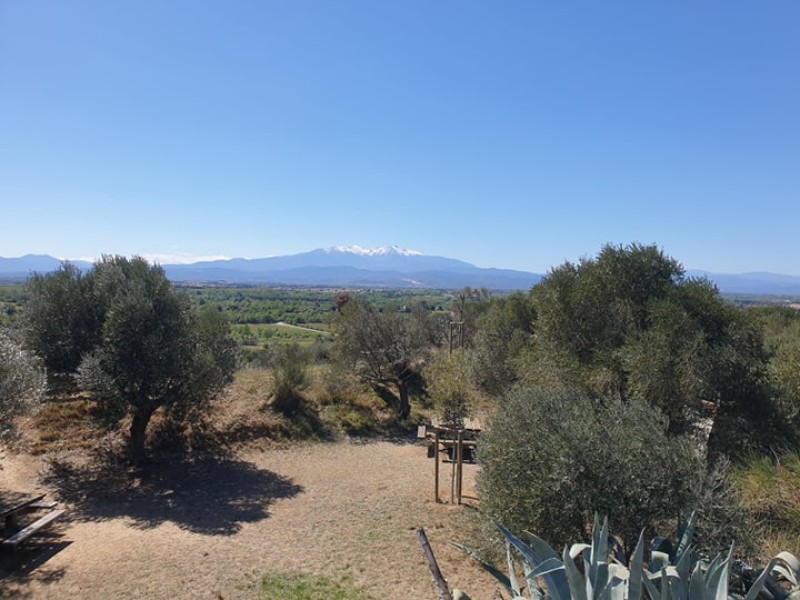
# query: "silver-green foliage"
[[553, 457], [595, 572], [22, 382]]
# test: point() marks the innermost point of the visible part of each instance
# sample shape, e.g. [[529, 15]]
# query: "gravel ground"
[[211, 528]]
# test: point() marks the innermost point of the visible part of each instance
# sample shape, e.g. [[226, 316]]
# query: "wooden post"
[[453, 463], [436, 462], [436, 574], [459, 466]]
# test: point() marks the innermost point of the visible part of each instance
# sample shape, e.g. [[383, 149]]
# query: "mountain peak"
[[380, 251]]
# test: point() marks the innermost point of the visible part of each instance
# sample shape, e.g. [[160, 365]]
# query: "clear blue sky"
[[513, 134]]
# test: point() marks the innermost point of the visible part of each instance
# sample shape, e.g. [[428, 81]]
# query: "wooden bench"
[[24, 534], [11, 510]]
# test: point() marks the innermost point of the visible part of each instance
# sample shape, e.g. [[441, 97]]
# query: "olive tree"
[[22, 382], [141, 347], [629, 323], [381, 347]]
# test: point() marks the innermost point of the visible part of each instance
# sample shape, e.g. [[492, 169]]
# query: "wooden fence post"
[[460, 463], [436, 462]]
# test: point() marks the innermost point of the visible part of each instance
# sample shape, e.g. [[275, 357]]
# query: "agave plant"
[[600, 575]]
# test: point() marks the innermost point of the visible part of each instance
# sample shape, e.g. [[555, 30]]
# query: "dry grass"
[[770, 491], [209, 528], [214, 524], [61, 424]]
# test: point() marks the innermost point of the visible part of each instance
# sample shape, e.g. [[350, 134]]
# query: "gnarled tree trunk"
[[141, 418], [404, 409]]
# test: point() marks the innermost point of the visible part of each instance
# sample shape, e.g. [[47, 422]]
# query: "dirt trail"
[[212, 528]]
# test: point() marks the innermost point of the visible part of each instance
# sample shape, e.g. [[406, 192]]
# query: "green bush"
[[22, 382], [290, 378], [552, 457]]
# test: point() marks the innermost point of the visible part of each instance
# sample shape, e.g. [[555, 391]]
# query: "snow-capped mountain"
[[387, 266], [380, 251], [340, 266]]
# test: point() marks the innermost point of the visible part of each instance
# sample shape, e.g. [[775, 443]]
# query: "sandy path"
[[211, 529]]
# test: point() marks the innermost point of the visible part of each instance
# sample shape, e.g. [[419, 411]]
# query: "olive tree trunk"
[[141, 418]]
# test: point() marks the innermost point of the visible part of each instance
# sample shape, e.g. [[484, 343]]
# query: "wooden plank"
[[24, 534], [9, 509], [42, 505]]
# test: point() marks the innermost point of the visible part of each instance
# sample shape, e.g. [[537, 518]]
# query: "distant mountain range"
[[342, 266], [385, 267]]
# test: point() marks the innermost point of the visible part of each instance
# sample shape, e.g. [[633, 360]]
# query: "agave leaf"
[[555, 581], [501, 577], [651, 589], [685, 536], [613, 590], [599, 553], [684, 566], [577, 585], [717, 576], [791, 561], [697, 586], [637, 560], [662, 544], [783, 572], [602, 551], [551, 565], [599, 579], [759, 583], [658, 561], [539, 547], [679, 590], [593, 559], [791, 571], [512, 575], [618, 571], [576, 549], [615, 548], [725, 577]]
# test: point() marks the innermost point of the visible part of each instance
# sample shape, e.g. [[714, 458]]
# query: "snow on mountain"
[[380, 251]]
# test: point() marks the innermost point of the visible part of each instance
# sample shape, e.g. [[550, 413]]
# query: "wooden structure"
[[458, 444], [13, 507]]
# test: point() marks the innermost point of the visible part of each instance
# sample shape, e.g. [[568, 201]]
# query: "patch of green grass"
[[308, 587]]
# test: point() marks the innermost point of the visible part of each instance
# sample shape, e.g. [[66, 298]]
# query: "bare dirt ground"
[[211, 528]]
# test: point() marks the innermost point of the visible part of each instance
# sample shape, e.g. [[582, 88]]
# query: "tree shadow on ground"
[[208, 495]]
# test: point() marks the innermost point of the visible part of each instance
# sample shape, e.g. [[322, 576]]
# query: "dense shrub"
[[553, 457], [290, 378], [22, 383]]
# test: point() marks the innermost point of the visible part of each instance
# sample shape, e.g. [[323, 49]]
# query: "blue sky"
[[512, 134]]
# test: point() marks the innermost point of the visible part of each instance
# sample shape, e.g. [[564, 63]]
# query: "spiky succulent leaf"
[[577, 585], [555, 581], [697, 586], [685, 536], [636, 570], [501, 577], [512, 571]]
